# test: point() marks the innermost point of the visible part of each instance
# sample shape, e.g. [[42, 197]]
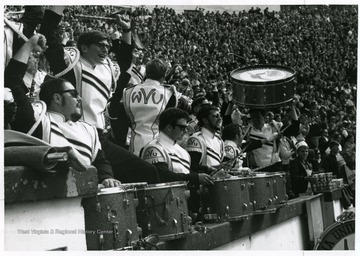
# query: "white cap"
[[301, 144]]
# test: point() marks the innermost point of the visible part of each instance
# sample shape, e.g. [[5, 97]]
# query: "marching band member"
[[144, 103], [170, 159], [93, 74], [60, 125]]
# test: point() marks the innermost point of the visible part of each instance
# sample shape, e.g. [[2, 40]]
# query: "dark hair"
[[255, 110], [156, 69], [204, 112], [170, 116], [197, 102], [49, 88], [91, 37], [230, 131]]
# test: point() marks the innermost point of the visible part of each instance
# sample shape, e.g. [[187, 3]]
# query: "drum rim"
[[165, 185], [262, 66], [113, 190], [329, 229], [262, 106], [231, 179]]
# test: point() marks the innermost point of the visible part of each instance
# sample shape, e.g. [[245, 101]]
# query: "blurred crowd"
[[203, 47]]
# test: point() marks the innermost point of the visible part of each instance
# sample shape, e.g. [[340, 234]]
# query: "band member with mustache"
[[59, 125], [94, 77]]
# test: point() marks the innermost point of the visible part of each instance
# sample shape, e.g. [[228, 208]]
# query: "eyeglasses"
[[183, 128], [103, 45], [74, 93], [216, 115]]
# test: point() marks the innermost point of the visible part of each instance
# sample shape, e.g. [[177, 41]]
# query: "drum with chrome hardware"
[[262, 193], [263, 86], [227, 200], [110, 219], [279, 188], [163, 210]]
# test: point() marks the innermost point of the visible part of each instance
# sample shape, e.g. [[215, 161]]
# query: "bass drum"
[[338, 236], [263, 86], [110, 219], [163, 210]]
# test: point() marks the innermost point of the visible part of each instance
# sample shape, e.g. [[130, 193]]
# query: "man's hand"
[[205, 179], [110, 182], [38, 42], [123, 22]]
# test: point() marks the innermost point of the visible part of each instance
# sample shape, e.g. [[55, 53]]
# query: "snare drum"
[[163, 210], [262, 193], [263, 86], [110, 219], [227, 200]]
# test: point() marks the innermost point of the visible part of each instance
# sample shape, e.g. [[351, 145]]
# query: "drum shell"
[[163, 210], [279, 188], [107, 212], [228, 198], [267, 94], [262, 193]]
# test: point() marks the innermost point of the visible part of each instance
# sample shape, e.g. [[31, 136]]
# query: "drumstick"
[[94, 17]]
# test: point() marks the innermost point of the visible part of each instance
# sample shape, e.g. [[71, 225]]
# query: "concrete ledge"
[[23, 184], [218, 234]]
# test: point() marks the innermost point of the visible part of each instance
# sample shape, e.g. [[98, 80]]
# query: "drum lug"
[[129, 236], [101, 241], [139, 230], [98, 207], [242, 186], [136, 202], [109, 213], [245, 206], [146, 200], [174, 222], [225, 188], [227, 210], [178, 202], [268, 183], [187, 194], [269, 201], [276, 198], [115, 230], [208, 210], [126, 203], [149, 227]]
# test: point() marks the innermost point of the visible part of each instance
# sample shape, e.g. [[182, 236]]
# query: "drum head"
[[261, 74]]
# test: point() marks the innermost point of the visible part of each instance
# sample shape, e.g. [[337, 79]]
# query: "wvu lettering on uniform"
[[164, 150], [154, 155], [143, 96], [143, 104]]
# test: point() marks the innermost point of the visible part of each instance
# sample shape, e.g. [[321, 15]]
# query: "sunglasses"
[[103, 45], [182, 127], [74, 93]]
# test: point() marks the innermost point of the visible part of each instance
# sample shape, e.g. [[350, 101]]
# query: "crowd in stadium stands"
[[203, 47]]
